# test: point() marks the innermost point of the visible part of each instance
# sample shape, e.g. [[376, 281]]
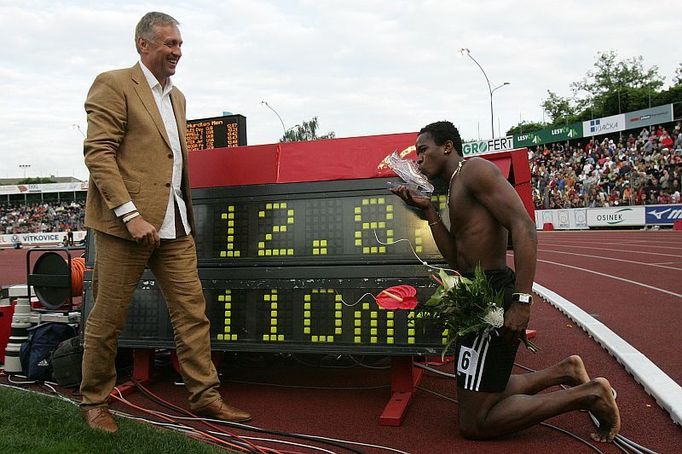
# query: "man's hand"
[[516, 321], [411, 197], [143, 232]]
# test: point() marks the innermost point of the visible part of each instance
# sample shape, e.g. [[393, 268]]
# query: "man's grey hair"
[[145, 28]]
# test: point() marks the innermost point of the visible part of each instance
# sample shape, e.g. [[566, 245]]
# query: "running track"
[[629, 280]]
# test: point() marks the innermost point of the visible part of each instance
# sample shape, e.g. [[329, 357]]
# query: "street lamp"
[[265, 103], [491, 90], [77, 126], [24, 166]]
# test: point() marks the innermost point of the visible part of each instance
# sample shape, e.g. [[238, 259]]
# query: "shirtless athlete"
[[483, 209]]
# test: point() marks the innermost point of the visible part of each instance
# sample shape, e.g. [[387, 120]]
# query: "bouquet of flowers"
[[464, 306]]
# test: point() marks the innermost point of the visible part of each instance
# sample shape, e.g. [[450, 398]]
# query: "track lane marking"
[[613, 258], [614, 277], [615, 250]]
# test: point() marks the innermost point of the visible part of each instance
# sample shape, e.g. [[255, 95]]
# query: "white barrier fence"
[[10, 240], [625, 216]]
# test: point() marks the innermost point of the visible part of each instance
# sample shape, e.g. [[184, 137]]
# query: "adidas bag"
[[36, 353], [66, 363]]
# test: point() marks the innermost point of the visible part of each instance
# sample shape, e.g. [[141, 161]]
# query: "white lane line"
[[657, 383], [658, 265], [629, 251], [621, 244], [612, 277]]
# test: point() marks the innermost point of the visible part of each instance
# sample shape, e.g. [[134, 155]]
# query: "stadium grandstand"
[[638, 168]]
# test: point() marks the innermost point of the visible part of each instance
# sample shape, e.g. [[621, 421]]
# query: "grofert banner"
[[480, 147]]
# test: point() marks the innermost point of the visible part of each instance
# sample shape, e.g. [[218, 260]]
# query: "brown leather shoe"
[[220, 410], [100, 418]]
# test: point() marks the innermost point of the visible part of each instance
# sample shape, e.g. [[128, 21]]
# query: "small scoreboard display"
[[216, 132]]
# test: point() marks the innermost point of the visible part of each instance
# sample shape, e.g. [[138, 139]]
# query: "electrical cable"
[[423, 262], [167, 404], [308, 364], [435, 371], [249, 446], [340, 388], [189, 430], [76, 403], [367, 366], [619, 440], [559, 429], [300, 445]]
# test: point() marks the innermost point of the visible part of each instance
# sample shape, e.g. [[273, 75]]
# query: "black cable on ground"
[[245, 426]]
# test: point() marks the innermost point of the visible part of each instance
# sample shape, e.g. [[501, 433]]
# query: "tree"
[[613, 86], [37, 180], [525, 126], [610, 75], [560, 109], [305, 131], [602, 88], [678, 75]]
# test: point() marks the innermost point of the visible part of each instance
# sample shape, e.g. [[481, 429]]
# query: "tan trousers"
[[118, 267]]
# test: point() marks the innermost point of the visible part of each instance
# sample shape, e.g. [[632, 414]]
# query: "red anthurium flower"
[[398, 297]]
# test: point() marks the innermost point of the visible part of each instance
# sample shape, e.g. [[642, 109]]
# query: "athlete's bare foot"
[[576, 373], [604, 408]]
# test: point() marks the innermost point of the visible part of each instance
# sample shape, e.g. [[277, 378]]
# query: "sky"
[[363, 67]]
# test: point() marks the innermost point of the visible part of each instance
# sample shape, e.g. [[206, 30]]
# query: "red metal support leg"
[[404, 379], [143, 362]]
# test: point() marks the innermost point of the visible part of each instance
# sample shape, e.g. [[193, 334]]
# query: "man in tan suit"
[[140, 208]]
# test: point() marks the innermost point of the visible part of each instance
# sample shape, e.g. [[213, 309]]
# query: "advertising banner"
[[549, 135], [10, 240], [480, 147], [648, 117], [564, 219], [663, 214], [46, 187], [605, 125], [615, 217]]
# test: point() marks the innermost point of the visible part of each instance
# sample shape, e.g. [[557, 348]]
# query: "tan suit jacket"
[[128, 152]]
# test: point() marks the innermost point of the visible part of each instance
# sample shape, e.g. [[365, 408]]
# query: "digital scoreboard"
[[216, 132], [295, 267], [295, 240]]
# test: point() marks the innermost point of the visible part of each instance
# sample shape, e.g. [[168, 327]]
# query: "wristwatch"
[[523, 298]]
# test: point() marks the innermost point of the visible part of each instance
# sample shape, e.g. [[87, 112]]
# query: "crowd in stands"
[[635, 169], [41, 217]]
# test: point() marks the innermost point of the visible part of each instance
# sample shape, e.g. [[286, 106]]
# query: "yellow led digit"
[[226, 302], [271, 332], [324, 301], [374, 215], [230, 248], [281, 215]]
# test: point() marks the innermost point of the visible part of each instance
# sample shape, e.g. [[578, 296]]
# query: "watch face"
[[523, 298]]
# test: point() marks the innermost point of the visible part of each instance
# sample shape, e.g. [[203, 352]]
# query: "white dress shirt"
[[163, 102]]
